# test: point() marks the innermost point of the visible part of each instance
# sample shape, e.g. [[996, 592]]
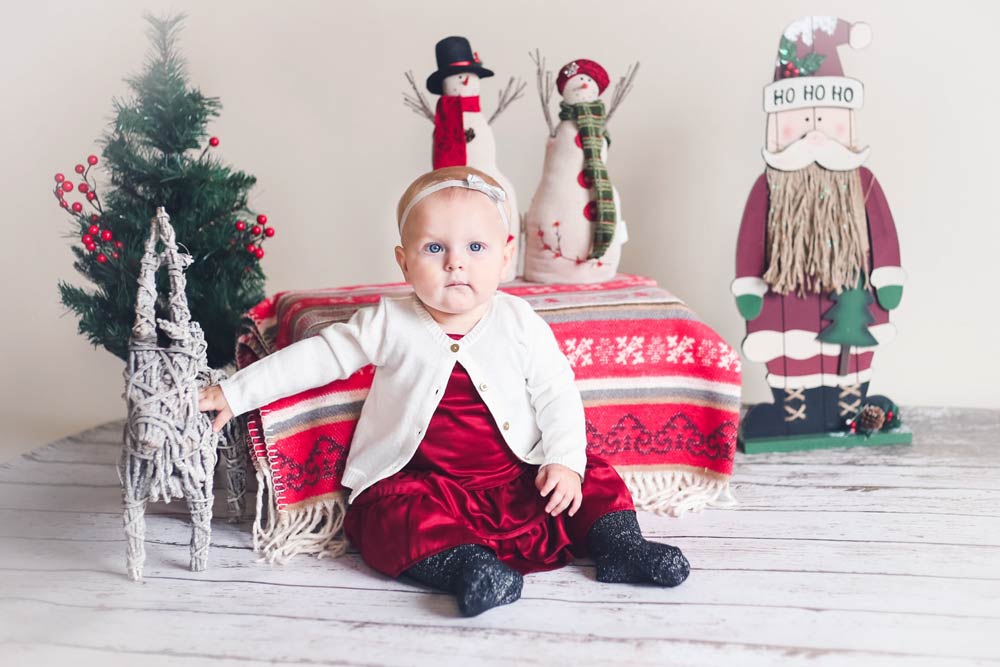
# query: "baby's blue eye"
[[476, 246], [435, 248]]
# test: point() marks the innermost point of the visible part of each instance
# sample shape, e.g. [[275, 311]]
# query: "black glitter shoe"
[[473, 574], [623, 555]]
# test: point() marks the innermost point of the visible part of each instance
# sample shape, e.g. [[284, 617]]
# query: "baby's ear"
[[508, 250], [401, 260]]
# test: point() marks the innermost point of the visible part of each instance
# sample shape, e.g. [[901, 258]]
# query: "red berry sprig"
[[791, 69], [99, 241], [252, 236], [213, 142]]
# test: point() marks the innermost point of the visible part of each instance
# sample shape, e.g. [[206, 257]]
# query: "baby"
[[469, 465]]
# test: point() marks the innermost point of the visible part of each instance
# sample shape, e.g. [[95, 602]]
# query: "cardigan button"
[[454, 347], [482, 387], [506, 426]]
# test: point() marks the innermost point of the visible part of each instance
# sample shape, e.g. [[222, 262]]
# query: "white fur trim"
[[749, 285], [763, 346], [888, 275], [860, 35], [804, 28], [799, 92], [818, 380]]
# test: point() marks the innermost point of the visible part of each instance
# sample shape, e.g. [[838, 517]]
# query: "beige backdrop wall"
[[313, 107]]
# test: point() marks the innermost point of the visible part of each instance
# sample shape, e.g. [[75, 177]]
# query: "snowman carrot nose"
[[465, 81]]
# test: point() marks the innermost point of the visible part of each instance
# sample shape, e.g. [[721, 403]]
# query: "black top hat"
[[454, 56]]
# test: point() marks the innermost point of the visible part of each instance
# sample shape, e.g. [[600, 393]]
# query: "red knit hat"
[[583, 66]]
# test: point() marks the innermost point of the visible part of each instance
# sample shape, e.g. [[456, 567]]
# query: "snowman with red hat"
[[462, 134], [817, 259], [574, 230]]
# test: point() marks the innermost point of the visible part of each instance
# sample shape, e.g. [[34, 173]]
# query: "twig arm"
[[545, 87], [416, 102], [622, 89]]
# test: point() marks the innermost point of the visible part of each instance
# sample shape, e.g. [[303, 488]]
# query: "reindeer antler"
[[417, 102], [622, 89], [513, 90], [545, 87]]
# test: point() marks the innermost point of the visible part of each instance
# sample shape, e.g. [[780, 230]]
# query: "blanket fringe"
[[676, 491], [316, 529]]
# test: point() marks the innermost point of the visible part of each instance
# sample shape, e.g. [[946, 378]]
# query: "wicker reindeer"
[[169, 449]]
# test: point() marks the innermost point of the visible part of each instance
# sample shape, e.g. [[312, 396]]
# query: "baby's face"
[[454, 250]]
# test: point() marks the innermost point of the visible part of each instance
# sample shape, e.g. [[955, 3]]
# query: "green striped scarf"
[[589, 118]]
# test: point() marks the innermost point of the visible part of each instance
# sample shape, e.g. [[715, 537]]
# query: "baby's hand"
[[212, 399], [566, 486]]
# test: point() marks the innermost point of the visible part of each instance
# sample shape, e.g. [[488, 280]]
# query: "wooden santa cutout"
[[817, 258], [574, 229], [462, 134]]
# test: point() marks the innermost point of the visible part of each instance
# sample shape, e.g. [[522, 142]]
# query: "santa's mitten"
[[888, 283], [889, 296], [749, 292], [749, 306]]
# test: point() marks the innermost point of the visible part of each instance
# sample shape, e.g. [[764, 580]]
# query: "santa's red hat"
[[808, 71], [583, 66]]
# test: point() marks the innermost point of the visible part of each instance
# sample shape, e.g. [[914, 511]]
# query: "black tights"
[[480, 581]]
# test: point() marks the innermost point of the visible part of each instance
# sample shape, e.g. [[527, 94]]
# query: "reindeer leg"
[[234, 451], [199, 500], [135, 493]]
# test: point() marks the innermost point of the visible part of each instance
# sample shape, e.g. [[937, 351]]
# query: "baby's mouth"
[[457, 284]]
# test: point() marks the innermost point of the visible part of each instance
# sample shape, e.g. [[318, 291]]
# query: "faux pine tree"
[[157, 152]]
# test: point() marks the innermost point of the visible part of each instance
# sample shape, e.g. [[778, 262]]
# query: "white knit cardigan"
[[511, 356]]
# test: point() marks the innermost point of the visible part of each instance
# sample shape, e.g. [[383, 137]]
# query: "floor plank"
[[874, 556]]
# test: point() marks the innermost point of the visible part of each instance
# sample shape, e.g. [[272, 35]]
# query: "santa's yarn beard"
[[817, 231]]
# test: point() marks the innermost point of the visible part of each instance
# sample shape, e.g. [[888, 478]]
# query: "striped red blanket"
[[660, 390]]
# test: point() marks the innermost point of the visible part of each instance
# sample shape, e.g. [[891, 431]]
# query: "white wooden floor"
[[866, 556]]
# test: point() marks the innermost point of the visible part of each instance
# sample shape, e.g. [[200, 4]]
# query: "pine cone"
[[871, 419]]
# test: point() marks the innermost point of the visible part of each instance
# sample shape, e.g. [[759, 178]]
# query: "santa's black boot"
[[842, 404], [623, 555], [765, 420], [473, 574], [804, 411]]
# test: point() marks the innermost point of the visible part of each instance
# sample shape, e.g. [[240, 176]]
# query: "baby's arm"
[[335, 353], [556, 400]]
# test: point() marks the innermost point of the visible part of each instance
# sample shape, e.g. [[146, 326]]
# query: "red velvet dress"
[[464, 486]]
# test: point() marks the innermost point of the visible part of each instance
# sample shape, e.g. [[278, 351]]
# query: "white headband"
[[471, 182]]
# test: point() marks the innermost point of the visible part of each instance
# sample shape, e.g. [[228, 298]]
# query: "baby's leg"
[[623, 555], [473, 573]]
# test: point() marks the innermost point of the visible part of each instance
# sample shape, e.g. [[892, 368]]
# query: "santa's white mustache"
[[816, 147]]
